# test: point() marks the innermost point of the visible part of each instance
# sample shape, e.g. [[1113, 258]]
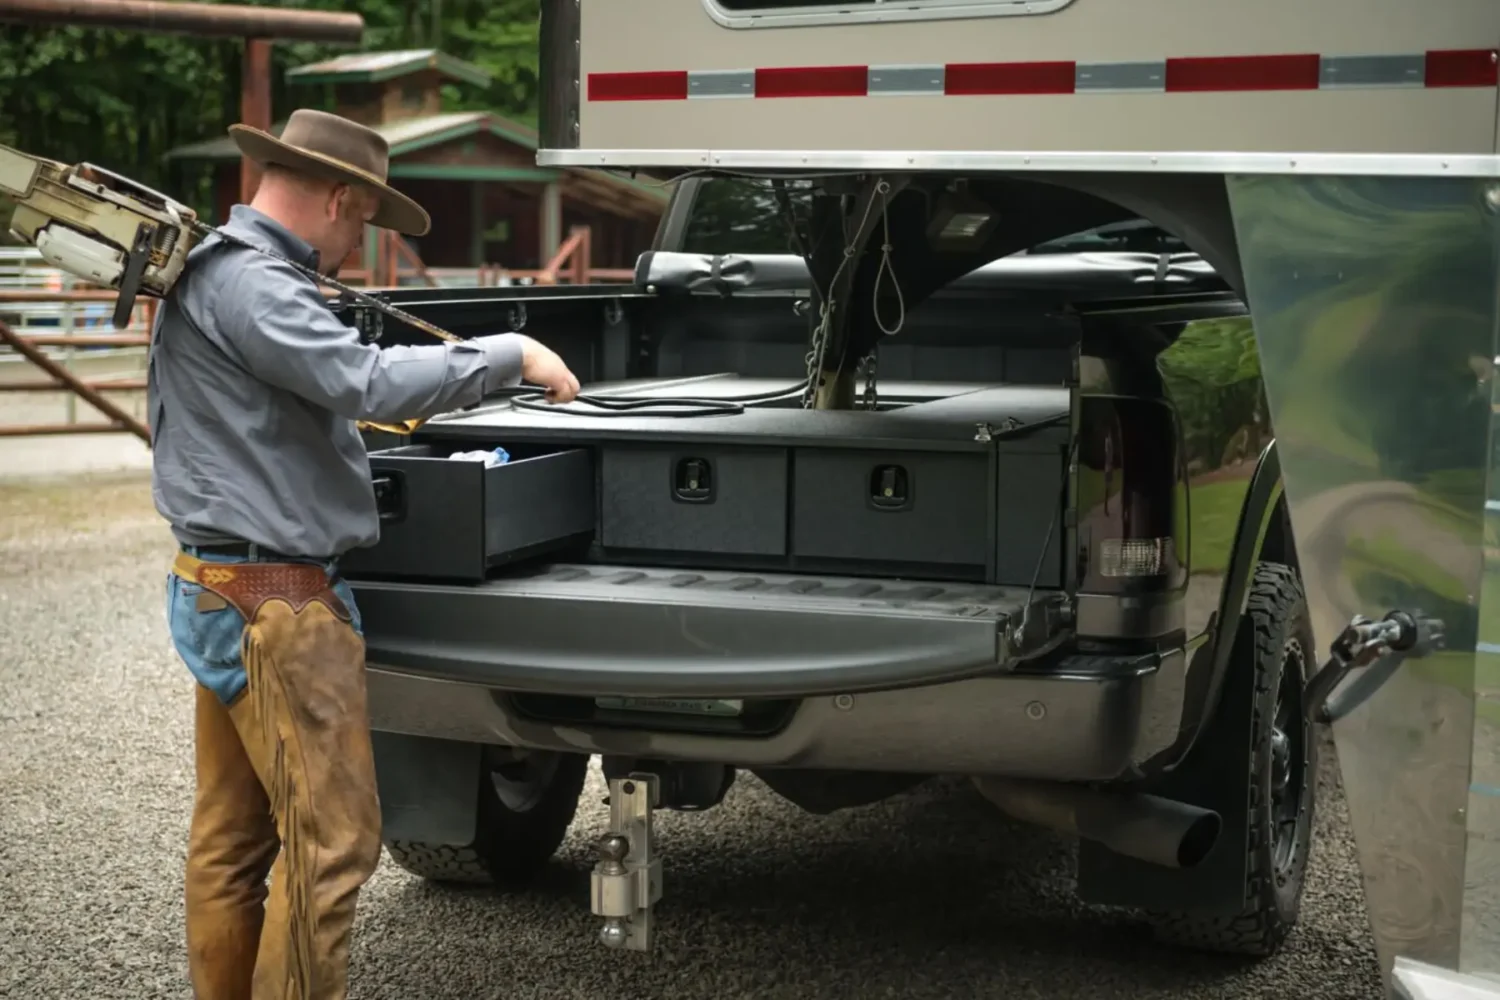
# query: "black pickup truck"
[[1040, 543]]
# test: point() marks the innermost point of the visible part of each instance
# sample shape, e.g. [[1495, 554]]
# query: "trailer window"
[[774, 13]]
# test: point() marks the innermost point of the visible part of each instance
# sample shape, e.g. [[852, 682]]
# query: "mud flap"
[[1214, 776], [427, 788]]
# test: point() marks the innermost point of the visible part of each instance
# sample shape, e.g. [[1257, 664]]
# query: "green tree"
[[122, 99]]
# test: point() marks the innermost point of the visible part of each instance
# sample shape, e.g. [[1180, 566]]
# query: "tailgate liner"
[[596, 630]]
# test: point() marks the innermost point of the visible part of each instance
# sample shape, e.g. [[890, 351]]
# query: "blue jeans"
[[209, 641]]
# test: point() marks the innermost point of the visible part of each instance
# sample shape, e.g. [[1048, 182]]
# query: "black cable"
[[625, 407], [529, 399]]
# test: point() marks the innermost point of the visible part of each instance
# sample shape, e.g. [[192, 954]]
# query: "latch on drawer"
[[693, 480], [890, 487], [390, 496]]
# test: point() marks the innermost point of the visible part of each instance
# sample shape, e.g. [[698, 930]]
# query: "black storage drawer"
[[453, 519], [914, 507], [694, 498]]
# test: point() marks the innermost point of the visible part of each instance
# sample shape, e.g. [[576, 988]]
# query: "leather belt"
[[245, 550], [248, 585]]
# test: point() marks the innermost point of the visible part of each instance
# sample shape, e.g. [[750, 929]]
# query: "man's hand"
[[541, 366]]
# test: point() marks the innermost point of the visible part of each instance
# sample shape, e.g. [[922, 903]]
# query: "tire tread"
[[508, 848]]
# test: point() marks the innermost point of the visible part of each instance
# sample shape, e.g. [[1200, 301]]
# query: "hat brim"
[[396, 211]]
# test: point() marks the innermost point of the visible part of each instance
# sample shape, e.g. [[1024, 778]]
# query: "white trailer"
[[1336, 162]]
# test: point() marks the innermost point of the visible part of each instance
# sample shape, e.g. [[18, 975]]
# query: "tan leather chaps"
[[288, 765]]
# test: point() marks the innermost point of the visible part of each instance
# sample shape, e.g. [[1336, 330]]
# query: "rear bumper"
[[834, 673]]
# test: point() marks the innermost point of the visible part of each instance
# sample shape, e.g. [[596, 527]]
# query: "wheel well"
[[1279, 545]]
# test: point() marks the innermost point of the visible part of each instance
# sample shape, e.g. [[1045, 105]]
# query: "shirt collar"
[[260, 229]]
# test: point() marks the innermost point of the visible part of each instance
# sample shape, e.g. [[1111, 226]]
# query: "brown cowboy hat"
[[326, 145]]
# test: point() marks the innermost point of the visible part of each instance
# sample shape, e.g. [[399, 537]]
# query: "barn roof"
[[411, 134], [374, 67]]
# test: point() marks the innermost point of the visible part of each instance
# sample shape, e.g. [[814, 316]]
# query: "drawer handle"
[[890, 488], [390, 496], [693, 481]]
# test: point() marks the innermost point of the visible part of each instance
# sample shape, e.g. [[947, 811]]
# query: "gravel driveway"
[[933, 895]]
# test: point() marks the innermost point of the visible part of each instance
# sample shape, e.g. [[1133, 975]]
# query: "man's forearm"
[[422, 382]]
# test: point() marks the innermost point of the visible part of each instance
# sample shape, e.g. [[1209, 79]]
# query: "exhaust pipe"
[[1146, 827]]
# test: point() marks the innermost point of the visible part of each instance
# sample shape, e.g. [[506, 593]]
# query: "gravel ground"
[[932, 895]]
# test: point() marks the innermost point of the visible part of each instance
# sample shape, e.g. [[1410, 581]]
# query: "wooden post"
[[255, 105], [582, 257], [477, 224]]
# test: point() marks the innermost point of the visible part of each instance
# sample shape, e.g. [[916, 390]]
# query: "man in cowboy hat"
[[259, 467]]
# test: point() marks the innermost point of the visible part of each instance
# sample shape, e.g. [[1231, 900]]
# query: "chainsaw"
[[117, 234]]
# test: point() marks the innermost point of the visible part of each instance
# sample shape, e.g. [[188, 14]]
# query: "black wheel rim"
[[521, 782], [1289, 736]]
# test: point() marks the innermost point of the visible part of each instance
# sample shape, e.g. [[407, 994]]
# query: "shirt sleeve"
[[280, 324]]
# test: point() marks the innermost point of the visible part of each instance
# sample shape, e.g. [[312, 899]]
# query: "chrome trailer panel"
[[1375, 304]]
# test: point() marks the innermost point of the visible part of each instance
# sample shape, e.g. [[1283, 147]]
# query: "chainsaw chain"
[[364, 297]]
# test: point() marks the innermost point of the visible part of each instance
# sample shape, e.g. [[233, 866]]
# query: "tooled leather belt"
[[248, 585]]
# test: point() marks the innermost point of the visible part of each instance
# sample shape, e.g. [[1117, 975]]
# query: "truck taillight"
[[1130, 495], [1135, 557]]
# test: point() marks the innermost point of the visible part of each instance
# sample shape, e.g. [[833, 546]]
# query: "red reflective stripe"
[[1011, 78], [1299, 72], [666, 86], [1445, 68], [813, 81], [1463, 68]]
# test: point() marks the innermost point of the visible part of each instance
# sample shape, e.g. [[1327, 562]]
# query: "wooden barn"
[[475, 172]]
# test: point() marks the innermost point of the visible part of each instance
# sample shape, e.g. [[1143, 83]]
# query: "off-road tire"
[[1281, 630], [510, 845]]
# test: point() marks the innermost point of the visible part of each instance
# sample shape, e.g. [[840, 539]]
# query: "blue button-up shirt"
[[254, 389]]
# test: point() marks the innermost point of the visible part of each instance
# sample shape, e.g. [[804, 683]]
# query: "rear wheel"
[[525, 806], [1283, 761]]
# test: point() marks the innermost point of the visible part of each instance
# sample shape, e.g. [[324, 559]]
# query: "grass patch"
[[1215, 510]]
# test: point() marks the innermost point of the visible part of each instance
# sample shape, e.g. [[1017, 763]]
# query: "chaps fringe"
[[269, 692]]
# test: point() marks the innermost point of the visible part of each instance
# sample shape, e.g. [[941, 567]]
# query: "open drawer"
[[455, 519]]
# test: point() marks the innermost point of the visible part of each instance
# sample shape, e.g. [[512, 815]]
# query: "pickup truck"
[[1042, 545]]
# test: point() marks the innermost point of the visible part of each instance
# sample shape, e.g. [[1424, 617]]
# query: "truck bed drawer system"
[[921, 499]]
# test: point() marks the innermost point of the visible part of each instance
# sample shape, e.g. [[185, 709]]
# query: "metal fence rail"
[[53, 321]]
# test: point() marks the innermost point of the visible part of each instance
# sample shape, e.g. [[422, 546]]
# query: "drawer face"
[[443, 518], [533, 502], [432, 517], [694, 498], [891, 506]]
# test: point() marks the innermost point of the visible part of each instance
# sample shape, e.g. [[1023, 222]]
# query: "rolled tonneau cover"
[[1105, 273]]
